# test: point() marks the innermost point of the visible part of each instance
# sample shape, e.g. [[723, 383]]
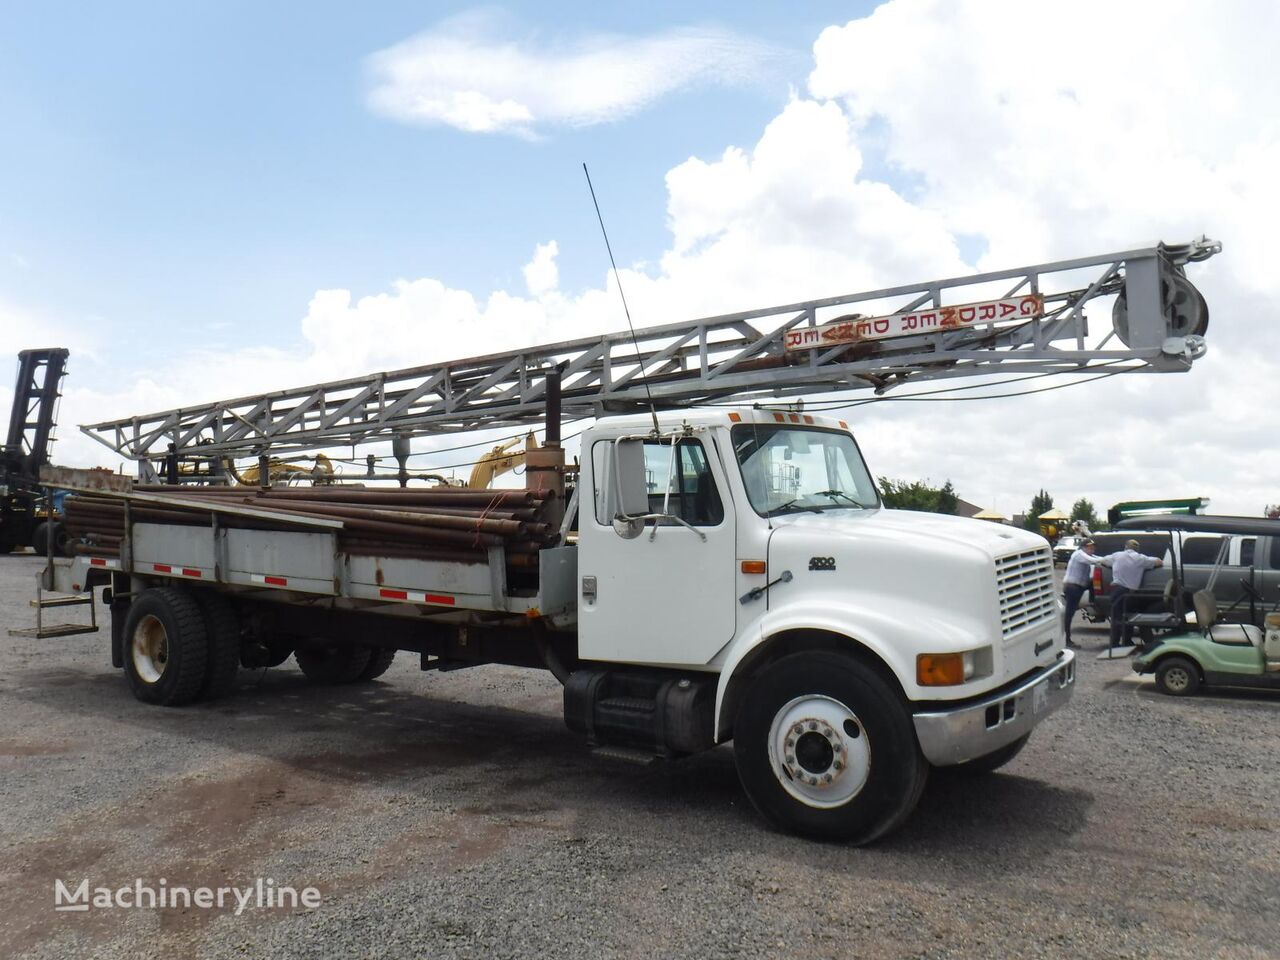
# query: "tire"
[[41, 534], [165, 647], [333, 663], [839, 709], [990, 762], [222, 626], [380, 660], [269, 651], [1178, 676]]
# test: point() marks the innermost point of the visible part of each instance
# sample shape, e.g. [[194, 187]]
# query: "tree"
[[1040, 503], [918, 495], [1082, 509], [947, 499]]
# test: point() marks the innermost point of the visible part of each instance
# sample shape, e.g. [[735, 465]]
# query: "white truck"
[[731, 577], [718, 574]]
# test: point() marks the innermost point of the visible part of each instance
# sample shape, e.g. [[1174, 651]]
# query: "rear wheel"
[[380, 660], [825, 747], [166, 647], [222, 625], [333, 663], [1178, 677]]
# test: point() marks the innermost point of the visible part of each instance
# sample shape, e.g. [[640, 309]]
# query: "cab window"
[[680, 482], [678, 477]]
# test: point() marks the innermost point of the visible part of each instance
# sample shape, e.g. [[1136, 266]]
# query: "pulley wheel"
[[1185, 311]]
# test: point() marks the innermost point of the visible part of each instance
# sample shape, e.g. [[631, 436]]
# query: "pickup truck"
[[1251, 558]]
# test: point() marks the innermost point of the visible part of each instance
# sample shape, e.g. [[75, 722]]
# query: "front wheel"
[[991, 761], [1178, 677], [824, 747]]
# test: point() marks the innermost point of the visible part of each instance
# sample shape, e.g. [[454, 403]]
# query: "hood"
[[960, 533], [963, 583]]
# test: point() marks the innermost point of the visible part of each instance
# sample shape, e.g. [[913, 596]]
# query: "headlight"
[[952, 669]]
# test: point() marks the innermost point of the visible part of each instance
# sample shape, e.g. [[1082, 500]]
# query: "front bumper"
[[949, 737]]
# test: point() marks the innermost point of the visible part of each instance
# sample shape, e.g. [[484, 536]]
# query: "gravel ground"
[[455, 816]]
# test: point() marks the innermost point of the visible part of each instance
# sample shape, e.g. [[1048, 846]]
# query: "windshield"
[[787, 468]]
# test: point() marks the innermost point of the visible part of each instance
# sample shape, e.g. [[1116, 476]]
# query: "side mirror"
[[631, 492]]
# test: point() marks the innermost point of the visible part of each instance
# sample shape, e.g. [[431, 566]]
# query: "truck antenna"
[[625, 309]]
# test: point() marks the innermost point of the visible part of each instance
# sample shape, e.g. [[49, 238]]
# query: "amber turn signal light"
[[753, 566], [940, 669]]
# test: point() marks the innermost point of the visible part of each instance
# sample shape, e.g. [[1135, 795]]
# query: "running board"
[[626, 755]]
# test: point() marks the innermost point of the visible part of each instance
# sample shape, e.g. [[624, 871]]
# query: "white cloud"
[[1069, 145], [541, 275], [463, 74]]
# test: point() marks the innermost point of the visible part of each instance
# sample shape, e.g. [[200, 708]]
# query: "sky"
[[210, 200]]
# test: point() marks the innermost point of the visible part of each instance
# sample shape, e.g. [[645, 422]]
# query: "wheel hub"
[[150, 649], [819, 751]]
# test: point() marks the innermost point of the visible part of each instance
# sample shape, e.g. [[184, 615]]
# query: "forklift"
[[29, 515]]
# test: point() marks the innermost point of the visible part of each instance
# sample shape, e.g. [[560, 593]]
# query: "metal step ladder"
[[42, 603]]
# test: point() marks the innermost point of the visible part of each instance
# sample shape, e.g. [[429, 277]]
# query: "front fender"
[[1191, 645], [892, 635]]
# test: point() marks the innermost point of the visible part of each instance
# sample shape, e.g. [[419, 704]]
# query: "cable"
[[822, 405], [625, 309], [361, 461], [926, 398], [471, 463]]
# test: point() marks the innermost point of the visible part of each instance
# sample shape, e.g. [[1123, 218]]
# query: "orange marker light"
[[779, 418], [735, 418], [753, 566], [843, 425], [808, 419], [940, 669]]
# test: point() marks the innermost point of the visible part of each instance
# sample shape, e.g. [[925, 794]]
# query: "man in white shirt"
[[1127, 568], [1076, 581]]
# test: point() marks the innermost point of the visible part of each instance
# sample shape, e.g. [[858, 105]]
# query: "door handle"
[[589, 589]]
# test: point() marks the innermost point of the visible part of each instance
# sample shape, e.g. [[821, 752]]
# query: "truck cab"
[[735, 545]]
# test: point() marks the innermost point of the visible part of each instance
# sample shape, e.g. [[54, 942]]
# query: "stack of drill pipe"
[[444, 523]]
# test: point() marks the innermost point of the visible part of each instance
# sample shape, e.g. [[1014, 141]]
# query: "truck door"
[[1267, 559], [667, 595]]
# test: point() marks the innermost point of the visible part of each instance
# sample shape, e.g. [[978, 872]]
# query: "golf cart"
[[1189, 649]]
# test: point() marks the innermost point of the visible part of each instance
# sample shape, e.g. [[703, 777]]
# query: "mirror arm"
[[661, 516]]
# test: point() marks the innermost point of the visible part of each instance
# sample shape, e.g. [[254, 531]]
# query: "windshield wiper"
[[794, 505], [840, 493]]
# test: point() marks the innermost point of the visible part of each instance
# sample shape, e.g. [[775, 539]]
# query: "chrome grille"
[[1024, 582]]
